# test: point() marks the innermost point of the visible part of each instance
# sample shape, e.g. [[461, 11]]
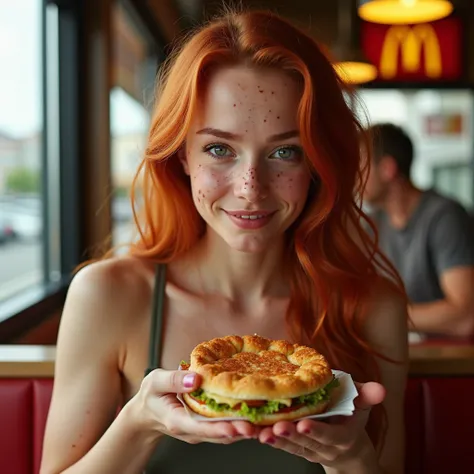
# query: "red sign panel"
[[424, 52], [444, 125]]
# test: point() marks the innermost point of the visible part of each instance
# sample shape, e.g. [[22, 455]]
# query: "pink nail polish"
[[270, 441], [188, 380], [285, 433]]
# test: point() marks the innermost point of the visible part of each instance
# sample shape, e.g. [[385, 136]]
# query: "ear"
[[182, 158], [388, 168]]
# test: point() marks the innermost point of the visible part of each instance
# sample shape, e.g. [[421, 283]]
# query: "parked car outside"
[[7, 232]]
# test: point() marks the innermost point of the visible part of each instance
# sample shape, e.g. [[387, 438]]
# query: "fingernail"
[[307, 431], [188, 380], [284, 433], [270, 441]]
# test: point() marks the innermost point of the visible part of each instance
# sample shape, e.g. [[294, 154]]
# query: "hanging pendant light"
[[354, 69], [400, 12], [356, 72], [351, 66]]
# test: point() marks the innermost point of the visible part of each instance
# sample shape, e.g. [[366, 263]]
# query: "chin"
[[249, 244]]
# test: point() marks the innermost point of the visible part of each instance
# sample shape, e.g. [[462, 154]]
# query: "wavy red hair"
[[333, 262]]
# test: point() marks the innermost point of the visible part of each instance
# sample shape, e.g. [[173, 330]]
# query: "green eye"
[[287, 153], [284, 153], [218, 151]]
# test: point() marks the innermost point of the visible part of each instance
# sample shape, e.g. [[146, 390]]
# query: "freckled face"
[[248, 175]]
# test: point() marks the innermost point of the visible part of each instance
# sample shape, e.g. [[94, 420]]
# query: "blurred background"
[[76, 89]]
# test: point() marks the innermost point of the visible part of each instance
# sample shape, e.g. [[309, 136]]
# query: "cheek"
[[292, 186], [207, 184]]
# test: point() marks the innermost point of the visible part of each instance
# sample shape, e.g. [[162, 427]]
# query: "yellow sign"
[[411, 40]]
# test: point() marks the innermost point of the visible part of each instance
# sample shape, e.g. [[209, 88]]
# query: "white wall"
[[409, 109]]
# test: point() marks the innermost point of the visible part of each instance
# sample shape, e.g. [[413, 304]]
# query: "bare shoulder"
[[386, 321], [102, 306], [109, 292], [104, 278]]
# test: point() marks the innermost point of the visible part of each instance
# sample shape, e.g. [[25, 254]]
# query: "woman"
[[248, 198]]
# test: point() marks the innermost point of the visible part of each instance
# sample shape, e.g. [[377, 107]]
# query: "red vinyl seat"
[[448, 406], [24, 405], [438, 413], [414, 426]]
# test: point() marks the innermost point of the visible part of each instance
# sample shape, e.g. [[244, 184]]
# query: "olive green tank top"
[[173, 456]]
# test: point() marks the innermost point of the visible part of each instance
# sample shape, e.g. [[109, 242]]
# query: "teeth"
[[250, 217]]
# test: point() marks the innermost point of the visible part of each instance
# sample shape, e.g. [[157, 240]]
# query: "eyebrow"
[[232, 136]]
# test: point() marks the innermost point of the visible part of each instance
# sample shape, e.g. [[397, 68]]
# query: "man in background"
[[428, 237]]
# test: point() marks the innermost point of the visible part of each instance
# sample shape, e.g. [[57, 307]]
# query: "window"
[[21, 145], [134, 70], [30, 240], [46, 139]]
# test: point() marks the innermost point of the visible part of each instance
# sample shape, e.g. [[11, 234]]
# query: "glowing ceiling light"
[[355, 72], [350, 63], [397, 12]]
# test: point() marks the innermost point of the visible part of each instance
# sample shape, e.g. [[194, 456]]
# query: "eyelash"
[[209, 147], [296, 149]]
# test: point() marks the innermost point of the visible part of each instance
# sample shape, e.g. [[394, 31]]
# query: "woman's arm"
[[87, 385], [387, 329]]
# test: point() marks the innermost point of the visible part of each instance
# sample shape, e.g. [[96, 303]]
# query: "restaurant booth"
[[421, 86], [439, 433]]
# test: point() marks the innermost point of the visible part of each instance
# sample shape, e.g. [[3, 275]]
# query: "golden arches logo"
[[411, 40]]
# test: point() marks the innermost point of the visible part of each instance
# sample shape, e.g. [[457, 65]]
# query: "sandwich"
[[259, 379]]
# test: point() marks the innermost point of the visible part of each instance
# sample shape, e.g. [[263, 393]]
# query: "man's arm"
[[451, 245], [453, 315]]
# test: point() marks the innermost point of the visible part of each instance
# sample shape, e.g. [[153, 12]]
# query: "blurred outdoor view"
[[22, 133], [20, 145]]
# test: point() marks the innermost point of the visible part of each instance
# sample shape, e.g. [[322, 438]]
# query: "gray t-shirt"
[[438, 236]]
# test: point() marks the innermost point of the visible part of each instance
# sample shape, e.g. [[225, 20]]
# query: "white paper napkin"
[[342, 403]]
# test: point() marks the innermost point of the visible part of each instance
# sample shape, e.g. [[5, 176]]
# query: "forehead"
[[240, 92]]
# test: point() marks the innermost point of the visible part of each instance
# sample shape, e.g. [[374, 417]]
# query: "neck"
[[400, 202], [240, 276]]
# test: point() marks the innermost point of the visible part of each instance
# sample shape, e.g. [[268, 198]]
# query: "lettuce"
[[253, 414]]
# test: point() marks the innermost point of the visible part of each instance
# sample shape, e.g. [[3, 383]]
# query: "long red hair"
[[333, 262]]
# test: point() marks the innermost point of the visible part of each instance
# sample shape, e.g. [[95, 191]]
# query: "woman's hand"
[[338, 443], [156, 408]]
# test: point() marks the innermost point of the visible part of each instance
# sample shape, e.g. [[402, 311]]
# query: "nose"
[[251, 184]]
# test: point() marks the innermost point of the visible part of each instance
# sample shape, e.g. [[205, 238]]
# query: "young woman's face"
[[243, 154]]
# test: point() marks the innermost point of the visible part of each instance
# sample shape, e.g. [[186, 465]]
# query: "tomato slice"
[[201, 402], [290, 409], [256, 404]]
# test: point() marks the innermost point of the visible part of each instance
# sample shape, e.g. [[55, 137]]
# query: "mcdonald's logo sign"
[[424, 52], [411, 40]]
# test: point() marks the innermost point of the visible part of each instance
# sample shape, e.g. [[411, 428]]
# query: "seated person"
[[247, 194], [427, 236]]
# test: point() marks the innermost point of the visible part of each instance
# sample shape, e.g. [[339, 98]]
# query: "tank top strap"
[[156, 319]]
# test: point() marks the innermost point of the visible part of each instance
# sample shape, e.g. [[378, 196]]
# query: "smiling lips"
[[250, 219]]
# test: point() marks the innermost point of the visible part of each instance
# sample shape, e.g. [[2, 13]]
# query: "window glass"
[[21, 137], [134, 69]]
